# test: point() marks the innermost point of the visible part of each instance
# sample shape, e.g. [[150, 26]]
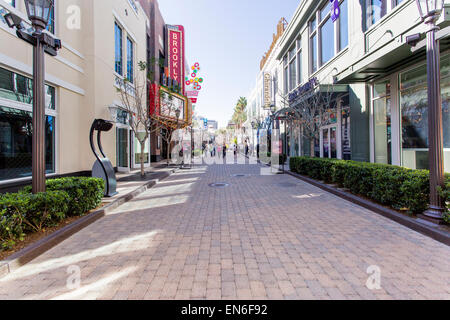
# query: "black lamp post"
[[430, 11], [39, 12]]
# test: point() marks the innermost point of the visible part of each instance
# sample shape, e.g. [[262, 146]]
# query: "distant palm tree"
[[240, 112]]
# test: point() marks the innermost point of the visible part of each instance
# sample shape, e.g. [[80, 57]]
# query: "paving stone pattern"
[[262, 237]]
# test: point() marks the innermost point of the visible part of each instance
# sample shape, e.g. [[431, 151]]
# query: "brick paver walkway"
[[261, 237]]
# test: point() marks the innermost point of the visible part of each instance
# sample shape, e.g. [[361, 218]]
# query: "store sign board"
[[267, 91], [168, 106], [311, 84], [335, 10], [175, 36]]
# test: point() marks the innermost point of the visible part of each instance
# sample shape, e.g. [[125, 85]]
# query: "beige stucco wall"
[[83, 73]]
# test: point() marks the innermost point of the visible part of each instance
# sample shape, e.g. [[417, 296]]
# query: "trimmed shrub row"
[[398, 187], [23, 212]]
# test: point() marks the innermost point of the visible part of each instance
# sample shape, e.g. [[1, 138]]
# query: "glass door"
[[123, 148], [333, 142], [137, 153], [328, 142]]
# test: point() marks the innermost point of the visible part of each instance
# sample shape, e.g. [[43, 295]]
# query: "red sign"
[[176, 54], [194, 100]]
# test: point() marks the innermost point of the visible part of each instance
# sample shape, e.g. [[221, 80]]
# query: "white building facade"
[[379, 81]]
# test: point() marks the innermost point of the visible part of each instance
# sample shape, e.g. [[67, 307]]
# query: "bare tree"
[[314, 109], [133, 96]]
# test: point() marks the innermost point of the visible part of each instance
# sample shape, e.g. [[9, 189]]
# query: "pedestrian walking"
[[224, 150]]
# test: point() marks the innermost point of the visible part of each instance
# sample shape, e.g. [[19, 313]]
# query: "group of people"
[[221, 150]]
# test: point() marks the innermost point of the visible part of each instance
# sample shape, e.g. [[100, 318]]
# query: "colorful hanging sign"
[[194, 82]]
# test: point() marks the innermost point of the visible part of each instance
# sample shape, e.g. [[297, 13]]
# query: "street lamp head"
[[39, 12], [430, 9], [177, 113]]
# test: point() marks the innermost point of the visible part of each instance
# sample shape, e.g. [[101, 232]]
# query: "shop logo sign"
[[335, 10], [176, 53], [267, 93], [303, 89]]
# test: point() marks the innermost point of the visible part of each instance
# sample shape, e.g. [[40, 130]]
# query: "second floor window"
[[327, 38], [51, 21], [118, 49], [292, 64], [377, 9], [130, 60]]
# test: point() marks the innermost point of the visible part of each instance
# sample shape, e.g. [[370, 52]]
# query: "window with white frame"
[[299, 62], [377, 9], [292, 67], [130, 60], [285, 75], [16, 99], [327, 38], [51, 21], [118, 62]]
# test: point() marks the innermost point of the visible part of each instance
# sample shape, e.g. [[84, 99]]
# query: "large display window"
[[382, 122], [16, 98], [414, 116]]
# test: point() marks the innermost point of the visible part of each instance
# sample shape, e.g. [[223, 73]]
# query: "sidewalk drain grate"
[[219, 185]]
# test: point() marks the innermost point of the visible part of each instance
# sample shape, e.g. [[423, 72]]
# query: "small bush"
[[84, 193], [445, 193], [22, 213], [398, 187]]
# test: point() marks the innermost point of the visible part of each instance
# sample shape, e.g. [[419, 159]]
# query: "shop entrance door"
[[123, 149], [328, 142]]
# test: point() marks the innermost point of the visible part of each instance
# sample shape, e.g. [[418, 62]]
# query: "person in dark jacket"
[[224, 150]]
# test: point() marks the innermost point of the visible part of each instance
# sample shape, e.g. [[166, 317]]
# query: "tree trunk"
[[312, 151], [142, 158], [168, 151]]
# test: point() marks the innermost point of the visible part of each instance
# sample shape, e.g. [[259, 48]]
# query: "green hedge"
[[445, 193], [23, 212], [84, 193], [398, 187]]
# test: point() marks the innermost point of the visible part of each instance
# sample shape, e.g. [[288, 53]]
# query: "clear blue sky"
[[228, 39]]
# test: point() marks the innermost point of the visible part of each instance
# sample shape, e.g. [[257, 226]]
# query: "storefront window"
[[414, 112], [19, 88], [16, 144], [382, 122]]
